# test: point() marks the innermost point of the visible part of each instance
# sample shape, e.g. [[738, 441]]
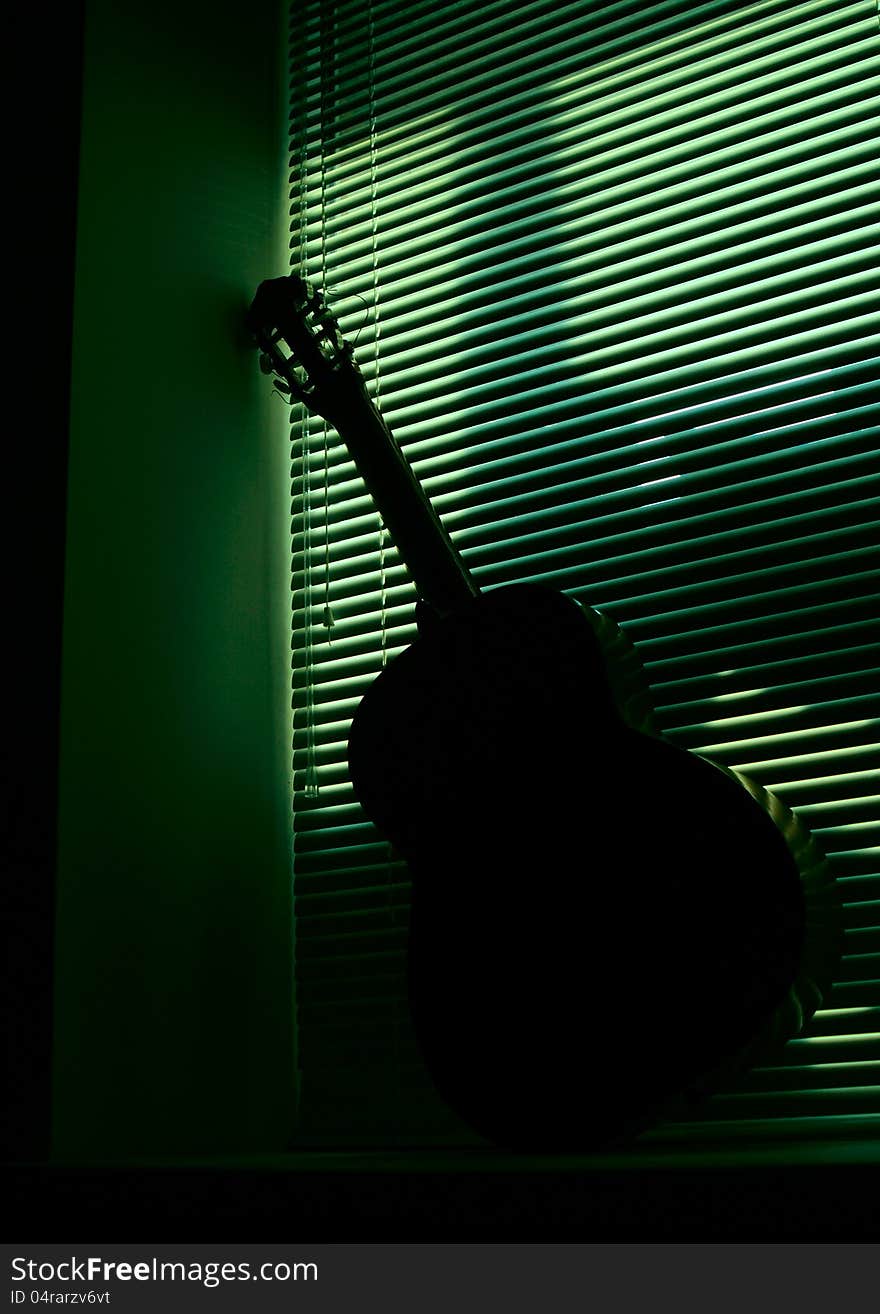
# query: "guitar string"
[[312, 786], [298, 421], [377, 326], [311, 782], [396, 1014], [327, 619], [298, 436], [311, 775]]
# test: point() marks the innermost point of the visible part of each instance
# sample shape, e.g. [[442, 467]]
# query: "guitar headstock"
[[301, 343]]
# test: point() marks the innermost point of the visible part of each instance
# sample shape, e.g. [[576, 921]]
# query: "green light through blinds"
[[611, 273]]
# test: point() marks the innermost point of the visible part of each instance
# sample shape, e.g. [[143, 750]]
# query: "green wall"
[[173, 1031]]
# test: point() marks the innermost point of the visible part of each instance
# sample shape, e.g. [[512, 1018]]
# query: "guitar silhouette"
[[602, 923]]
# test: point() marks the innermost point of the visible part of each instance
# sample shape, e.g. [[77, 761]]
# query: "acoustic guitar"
[[602, 923]]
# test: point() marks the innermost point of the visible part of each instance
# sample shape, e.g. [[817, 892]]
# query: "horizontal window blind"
[[610, 271]]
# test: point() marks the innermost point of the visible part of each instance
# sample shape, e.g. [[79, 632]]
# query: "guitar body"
[[599, 918]]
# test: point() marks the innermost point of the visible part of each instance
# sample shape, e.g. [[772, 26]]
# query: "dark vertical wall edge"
[[44, 120]]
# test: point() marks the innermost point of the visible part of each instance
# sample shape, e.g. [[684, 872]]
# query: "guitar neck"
[[320, 373], [427, 551]]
